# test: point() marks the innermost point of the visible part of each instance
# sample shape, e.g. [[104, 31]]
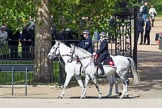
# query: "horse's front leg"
[[67, 80], [87, 78], [78, 78], [97, 87]]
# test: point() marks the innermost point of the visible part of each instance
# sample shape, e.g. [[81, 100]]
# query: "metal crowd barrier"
[[17, 68]]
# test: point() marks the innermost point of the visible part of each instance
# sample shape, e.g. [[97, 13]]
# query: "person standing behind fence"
[[140, 27], [26, 41], [152, 13], [87, 43], [4, 51], [13, 42], [147, 31]]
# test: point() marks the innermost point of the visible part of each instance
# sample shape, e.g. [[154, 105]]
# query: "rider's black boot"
[[102, 70]]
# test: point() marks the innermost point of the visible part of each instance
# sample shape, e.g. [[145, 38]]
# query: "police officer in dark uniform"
[[102, 52], [140, 28], [87, 43]]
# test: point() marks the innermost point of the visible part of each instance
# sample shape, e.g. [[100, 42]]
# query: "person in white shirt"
[[152, 13]]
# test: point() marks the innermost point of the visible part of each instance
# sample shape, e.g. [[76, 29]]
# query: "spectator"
[[13, 42], [4, 51], [140, 27], [82, 39], [61, 35], [26, 41], [31, 23], [87, 44], [53, 34], [152, 13], [147, 31]]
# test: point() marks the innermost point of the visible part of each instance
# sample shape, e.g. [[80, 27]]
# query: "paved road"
[[78, 103]]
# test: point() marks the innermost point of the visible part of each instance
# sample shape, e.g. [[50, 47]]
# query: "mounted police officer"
[[102, 52], [87, 43]]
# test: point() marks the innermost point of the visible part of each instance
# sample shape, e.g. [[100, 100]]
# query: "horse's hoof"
[[119, 93], [99, 97], [109, 95], [127, 95], [82, 97], [121, 97], [59, 97]]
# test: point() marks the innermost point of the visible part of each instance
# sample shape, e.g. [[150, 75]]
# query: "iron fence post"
[[135, 35]]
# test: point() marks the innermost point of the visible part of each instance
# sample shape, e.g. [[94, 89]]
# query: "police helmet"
[[86, 32], [103, 34]]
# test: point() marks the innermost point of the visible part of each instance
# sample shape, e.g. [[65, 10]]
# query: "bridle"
[[59, 55]]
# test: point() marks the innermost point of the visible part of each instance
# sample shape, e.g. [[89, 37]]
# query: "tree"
[[43, 69]]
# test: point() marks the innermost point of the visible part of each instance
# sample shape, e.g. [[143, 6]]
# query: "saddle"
[[108, 61]]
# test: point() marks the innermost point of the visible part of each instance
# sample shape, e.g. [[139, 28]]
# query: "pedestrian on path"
[[152, 14], [140, 27], [147, 31]]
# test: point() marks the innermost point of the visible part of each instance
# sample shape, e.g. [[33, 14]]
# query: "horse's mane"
[[58, 41], [81, 50], [78, 49]]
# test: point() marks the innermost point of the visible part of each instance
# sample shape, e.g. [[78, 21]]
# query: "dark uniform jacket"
[[26, 34], [103, 51], [88, 44], [13, 38], [140, 24], [148, 25]]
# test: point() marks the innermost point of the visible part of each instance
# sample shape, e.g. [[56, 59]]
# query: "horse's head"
[[54, 52]]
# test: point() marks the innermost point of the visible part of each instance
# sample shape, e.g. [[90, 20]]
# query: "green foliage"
[[15, 13], [70, 13], [66, 13], [158, 6]]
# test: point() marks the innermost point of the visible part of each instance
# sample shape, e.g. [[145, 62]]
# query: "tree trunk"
[[43, 66]]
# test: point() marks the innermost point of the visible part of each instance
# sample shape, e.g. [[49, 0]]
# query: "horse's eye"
[[53, 47]]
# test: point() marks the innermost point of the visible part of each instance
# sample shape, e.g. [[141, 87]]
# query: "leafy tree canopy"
[[74, 14]]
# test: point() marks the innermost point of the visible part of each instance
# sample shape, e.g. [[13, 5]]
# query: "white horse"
[[73, 68], [122, 64]]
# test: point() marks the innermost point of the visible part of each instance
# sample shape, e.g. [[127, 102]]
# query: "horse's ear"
[[71, 45], [56, 41]]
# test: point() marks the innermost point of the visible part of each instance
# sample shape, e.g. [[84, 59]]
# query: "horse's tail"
[[134, 71]]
